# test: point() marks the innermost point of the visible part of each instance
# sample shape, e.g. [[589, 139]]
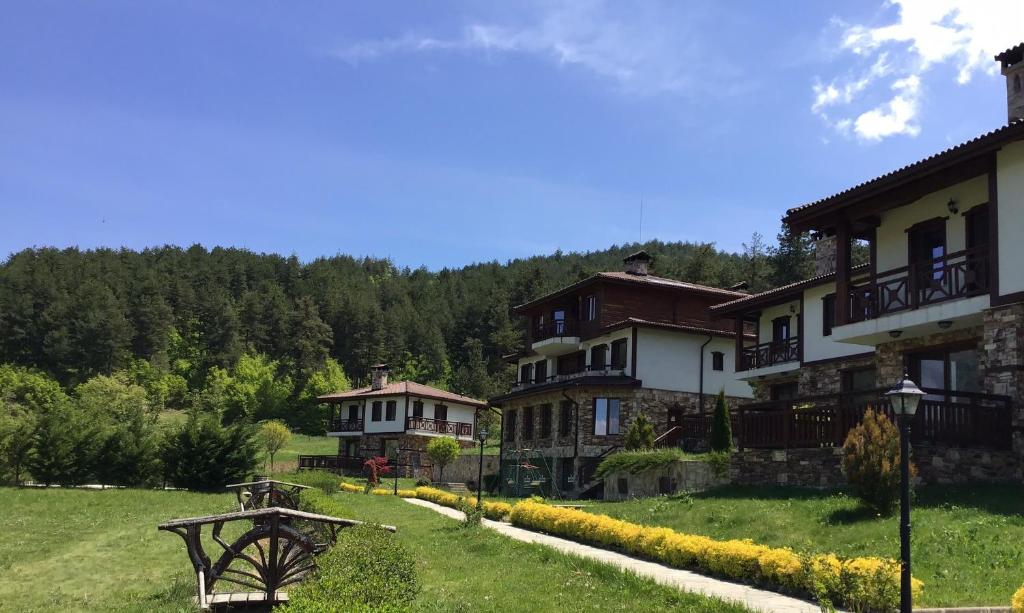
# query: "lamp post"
[[905, 396], [481, 435]]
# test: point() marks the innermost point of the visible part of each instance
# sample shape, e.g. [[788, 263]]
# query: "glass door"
[[943, 372]]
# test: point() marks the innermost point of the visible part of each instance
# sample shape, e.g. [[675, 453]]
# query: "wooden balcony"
[[423, 425], [331, 462], [956, 419], [957, 275], [770, 354], [345, 425], [610, 371], [555, 328]]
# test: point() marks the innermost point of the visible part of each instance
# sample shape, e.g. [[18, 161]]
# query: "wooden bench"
[[266, 493], [282, 552]]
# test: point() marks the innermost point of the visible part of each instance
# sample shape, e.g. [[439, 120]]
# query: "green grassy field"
[[86, 550], [287, 459], [479, 570], [968, 542], [97, 550]]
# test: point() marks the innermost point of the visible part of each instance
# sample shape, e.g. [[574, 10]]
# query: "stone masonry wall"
[[827, 377], [686, 476], [1002, 361]]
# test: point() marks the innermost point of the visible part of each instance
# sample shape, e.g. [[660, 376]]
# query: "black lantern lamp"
[[905, 396], [481, 435]]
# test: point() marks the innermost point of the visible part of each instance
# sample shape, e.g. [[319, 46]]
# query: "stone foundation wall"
[[465, 468], [413, 452], [827, 377], [686, 476], [1002, 361]]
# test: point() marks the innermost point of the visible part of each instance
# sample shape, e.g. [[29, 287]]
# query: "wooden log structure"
[[266, 493], [276, 547]]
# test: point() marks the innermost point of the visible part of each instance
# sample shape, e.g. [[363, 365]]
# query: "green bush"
[[366, 571], [327, 482], [871, 461], [639, 461], [721, 426], [640, 434], [204, 455]]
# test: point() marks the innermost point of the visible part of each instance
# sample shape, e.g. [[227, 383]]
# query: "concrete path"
[[685, 580]]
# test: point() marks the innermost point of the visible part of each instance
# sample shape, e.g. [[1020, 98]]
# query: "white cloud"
[[642, 49], [964, 34]]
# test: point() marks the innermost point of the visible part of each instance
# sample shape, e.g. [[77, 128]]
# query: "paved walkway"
[[685, 580]]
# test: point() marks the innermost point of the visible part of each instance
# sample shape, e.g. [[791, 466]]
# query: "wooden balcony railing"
[[953, 418], [770, 354], [555, 328], [331, 462], [439, 426], [345, 425], [957, 275], [604, 371]]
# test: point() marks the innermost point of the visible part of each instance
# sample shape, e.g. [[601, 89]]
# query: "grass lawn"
[[287, 459], [968, 541], [479, 570], [98, 550]]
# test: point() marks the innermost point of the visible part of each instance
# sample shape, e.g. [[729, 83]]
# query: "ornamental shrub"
[[721, 426], [640, 434], [443, 451], [327, 482], [1017, 603], [871, 461], [367, 571]]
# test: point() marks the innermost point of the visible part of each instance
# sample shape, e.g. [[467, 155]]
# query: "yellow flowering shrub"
[[351, 488], [858, 583], [406, 493], [492, 510], [381, 492], [1017, 603]]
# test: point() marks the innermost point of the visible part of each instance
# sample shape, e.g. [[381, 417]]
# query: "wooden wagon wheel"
[[284, 553]]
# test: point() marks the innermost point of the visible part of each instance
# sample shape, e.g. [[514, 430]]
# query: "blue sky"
[[445, 133]]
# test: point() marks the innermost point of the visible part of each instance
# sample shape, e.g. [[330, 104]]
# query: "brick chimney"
[[824, 255], [638, 263], [380, 376], [1011, 64]]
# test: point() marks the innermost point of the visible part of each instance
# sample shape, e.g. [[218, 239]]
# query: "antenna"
[[641, 218]]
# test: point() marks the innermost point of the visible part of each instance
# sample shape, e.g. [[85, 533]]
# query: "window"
[[780, 329], [440, 412], [526, 373], [565, 418], [590, 308], [717, 360], [392, 410], [858, 380], [353, 412], [828, 314], [545, 420], [598, 357], [389, 448], [375, 416], [784, 391], [946, 370], [417, 408], [527, 423], [606, 416], [510, 426], [540, 370], [619, 354], [572, 363], [927, 242], [351, 448], [558, 321]]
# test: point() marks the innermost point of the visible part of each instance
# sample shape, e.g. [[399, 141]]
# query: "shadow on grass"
[[760, 492]]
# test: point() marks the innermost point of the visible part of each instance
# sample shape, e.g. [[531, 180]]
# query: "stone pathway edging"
[[760, 600]]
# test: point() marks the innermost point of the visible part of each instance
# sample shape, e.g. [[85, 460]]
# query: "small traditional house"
[[599, 353], [396, 421]]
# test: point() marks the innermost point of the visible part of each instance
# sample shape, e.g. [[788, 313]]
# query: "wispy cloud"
[[641, 48], [900, 57]]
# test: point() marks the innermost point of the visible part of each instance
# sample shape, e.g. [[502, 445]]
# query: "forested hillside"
[[75, 314]]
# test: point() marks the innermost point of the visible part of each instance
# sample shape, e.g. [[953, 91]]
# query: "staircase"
[[455, 488]]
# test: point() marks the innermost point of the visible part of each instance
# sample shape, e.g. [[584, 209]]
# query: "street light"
[[481, 435], [905, 396]]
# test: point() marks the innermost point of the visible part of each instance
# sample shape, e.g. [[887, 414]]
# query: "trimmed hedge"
[[862, 584], [492, 510], [367, 570], [1017, 603], [639, 461]]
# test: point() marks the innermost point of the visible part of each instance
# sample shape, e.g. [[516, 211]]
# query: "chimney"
[[824, 255], [638, 263], [380, 376], [1011, 64]]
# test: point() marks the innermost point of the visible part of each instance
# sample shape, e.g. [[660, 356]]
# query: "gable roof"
[[639, 280], [978, 146], [401, 388], [782, 292]]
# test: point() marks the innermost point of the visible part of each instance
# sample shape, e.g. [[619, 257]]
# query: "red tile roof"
[[646, 323], [400, 388], [778, 292]]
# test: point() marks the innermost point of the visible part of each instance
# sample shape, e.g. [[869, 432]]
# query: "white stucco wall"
[[1010, 186], [816, 346], [396, 425], [584, 346], [891, 235], [456, 412], [671, 361]]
